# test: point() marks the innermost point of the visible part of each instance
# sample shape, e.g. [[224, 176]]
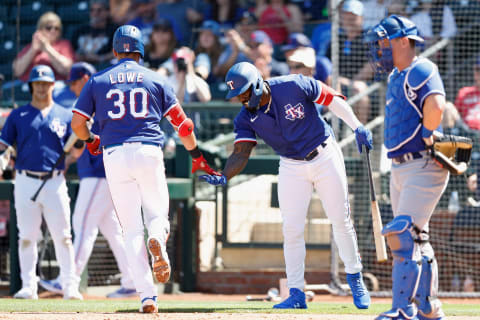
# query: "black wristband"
[[195, 153], [79, 144], [91, 138]]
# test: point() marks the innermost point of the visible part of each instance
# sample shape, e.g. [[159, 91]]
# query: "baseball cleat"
[[51, 285], [420, 317], [26, 293], [296, 300], [160, 262], [122, 293], [149, 305], [361, 297], [398, 317], [72, 293]]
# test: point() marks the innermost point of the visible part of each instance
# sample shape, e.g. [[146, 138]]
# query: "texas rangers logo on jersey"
[[58, 127], [230, 84], [296, 112]]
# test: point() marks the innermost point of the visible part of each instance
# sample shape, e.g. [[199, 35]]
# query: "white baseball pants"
[[54, 203], [94, 211], [137, 183], [296, 181]]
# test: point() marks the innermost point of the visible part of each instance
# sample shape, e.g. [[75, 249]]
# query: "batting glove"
[[94, 146], [201, 164], [220, 180], [364, 138]]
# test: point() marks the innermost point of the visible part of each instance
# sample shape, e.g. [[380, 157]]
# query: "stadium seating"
[[73, 13], [29, 13]]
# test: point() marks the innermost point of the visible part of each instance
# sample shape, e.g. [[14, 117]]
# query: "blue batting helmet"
[[389, 28], [240, 78], [128, 38], [41, 72]]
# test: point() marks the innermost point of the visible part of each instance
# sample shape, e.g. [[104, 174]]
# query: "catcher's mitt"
[[452, 153]]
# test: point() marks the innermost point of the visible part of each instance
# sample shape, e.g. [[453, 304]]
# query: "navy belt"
[[312, 154], [45, 176], [125, 143], [407, 157]]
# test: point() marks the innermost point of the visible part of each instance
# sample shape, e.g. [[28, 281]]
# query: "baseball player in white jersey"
[[129, 101], [282, 112], [415, 102], [40, 129], [94, 208]]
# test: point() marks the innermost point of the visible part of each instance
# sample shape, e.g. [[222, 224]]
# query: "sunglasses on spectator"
[[49, 28], [296, 66]]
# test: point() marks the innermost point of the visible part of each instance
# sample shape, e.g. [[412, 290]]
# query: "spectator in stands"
[[354, 69], [46, 48], [374, 11], [188, 86], [183, 16], [120, 11], [208, 51], [246, 25], [468, 100], [302, 61], [434, 20], [93, 41], [226, 12], [262, 55], [144, 18], [161, 45], [278, 18]]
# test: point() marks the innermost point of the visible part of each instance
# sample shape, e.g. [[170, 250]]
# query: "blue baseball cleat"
[[296, 300], [51, 285], [122, 293], [361, 297]]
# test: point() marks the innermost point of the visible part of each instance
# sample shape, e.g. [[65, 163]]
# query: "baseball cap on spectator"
[[162, 25], [259, 37], [296, 40], [353, 6], [80, 69], [212, 26], [305, 56]]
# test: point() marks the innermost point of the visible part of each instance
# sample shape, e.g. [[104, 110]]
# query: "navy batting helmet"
[[240, 78], [128, 38], [389, 28], [41, 72]]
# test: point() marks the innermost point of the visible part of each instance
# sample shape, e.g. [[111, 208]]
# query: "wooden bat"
[[68, 145], [376, 218]]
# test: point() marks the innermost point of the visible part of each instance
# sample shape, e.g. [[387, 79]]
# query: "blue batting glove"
[[364, 138], [214, 180]]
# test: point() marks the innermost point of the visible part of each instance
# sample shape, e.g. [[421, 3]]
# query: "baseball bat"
[[376, 218], [68, 145]]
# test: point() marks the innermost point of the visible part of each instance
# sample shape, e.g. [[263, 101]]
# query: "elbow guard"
[[327, 94], [179, 120]]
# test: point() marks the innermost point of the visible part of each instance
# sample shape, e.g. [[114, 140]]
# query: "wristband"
[[425, 132], [195, 153], [90, 139]]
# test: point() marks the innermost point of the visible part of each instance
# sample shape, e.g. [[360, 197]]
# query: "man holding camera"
[[189, 87]]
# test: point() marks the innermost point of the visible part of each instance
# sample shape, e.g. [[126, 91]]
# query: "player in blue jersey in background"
[[282, 112], [128, 101], [415, 102], [93, 207], [40, 130]]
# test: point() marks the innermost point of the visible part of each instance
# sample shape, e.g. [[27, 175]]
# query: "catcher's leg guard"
[[401, 236], [429, 306]]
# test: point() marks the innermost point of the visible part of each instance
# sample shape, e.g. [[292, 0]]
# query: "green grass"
[[101, 306]]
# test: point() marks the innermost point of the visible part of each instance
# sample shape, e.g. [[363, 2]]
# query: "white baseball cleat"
[[26, 293], [72, 293], [149, 305], [160, 261]]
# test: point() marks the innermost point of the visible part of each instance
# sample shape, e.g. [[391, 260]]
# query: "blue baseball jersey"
[[89, 165], [128, 101], [406, 94], [40, 140], [291, 126]]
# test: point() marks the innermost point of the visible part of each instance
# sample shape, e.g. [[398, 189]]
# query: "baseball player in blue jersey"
[[94, 207], [129, 101], [282, 112], [415, 102], [40, 129]]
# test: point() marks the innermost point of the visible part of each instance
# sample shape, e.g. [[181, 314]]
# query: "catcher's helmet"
[[128, 38], [240, 78], [41, 72], [389, 28]]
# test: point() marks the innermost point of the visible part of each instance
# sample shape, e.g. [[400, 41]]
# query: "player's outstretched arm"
[[235, 163], [80, 127]]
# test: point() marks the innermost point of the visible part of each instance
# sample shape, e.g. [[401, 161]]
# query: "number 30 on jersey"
[[118, 97]]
